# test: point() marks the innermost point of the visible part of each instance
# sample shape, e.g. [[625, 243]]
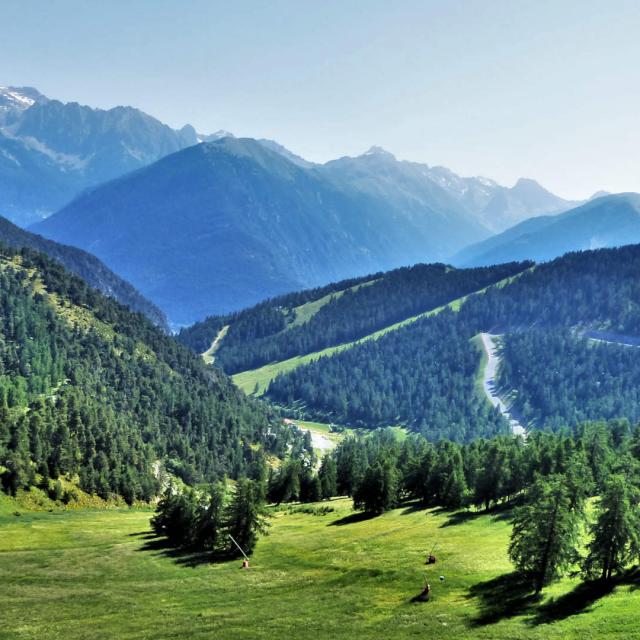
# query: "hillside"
[[423, 374], [93, 392], [608, 221], [50, 151], [84, 265], [282, 328], [225, 224]]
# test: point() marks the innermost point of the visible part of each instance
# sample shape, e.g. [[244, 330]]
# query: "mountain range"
[[50, 151], [222, 225], [209, 224], [606, 221]]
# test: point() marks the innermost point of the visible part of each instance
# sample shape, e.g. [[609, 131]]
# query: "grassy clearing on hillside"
[[479, 381], [306, 311], [208, 355], [257, 380], [100, 574]]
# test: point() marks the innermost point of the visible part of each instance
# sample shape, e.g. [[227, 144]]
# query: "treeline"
[[423, 375], [92, 391], [548, 478], [560, 378], [380, 470]]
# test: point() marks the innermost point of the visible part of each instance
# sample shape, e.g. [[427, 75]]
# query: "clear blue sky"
[[548, 89]]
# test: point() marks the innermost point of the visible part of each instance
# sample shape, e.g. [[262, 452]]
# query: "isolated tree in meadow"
[[328, 477], [545, 531], [615, 533], [246, 514]]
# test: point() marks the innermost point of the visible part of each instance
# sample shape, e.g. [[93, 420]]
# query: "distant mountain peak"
[[19, 98], [216, 135], [527, 183], [600, 194], [379, 151]]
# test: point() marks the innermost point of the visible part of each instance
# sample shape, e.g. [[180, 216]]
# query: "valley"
[[319, 321]]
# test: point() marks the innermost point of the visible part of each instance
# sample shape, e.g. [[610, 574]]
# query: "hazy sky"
[[543, 89]]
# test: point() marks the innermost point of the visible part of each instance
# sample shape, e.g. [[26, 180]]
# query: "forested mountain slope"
[[225, 224], [85, 265], [282, 328], [423, 375], [608, 221], [91, 390]]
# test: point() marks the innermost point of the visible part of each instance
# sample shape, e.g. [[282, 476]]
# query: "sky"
[[546, 89]]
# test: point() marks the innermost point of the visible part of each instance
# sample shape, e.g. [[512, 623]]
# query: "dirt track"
[[489, 383]]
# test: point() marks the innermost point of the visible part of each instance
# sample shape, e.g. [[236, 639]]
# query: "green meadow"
[[101, 574]]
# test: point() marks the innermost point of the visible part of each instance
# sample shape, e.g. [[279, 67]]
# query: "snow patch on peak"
[[217, 135], [378, 151], [19, 98]]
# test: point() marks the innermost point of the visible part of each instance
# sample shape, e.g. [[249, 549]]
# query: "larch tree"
[[615, 532], [545, 532]]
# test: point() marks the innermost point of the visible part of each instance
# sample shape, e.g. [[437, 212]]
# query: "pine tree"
[[211, 520], [615, 532], [545, 530], [246, 515], [328, 477]]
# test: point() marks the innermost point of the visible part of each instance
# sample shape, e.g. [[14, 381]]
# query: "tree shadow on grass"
[[511, 595], [359, 516], [500, 512], [503, 597], [583, 598], [183, 556], [413, 507]]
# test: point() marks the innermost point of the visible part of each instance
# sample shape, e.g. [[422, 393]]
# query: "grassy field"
[[306, 311], [100, 574], [257, 380]]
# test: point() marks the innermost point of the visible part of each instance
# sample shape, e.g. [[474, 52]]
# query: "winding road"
[[489, 383]]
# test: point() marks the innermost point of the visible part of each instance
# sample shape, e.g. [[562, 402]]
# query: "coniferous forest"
[[268, 332], [423, 375], [90, 389]]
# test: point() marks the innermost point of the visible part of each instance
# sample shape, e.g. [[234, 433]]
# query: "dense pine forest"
[[561, 379], [269, 332], [423, 375], [91, 390]]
